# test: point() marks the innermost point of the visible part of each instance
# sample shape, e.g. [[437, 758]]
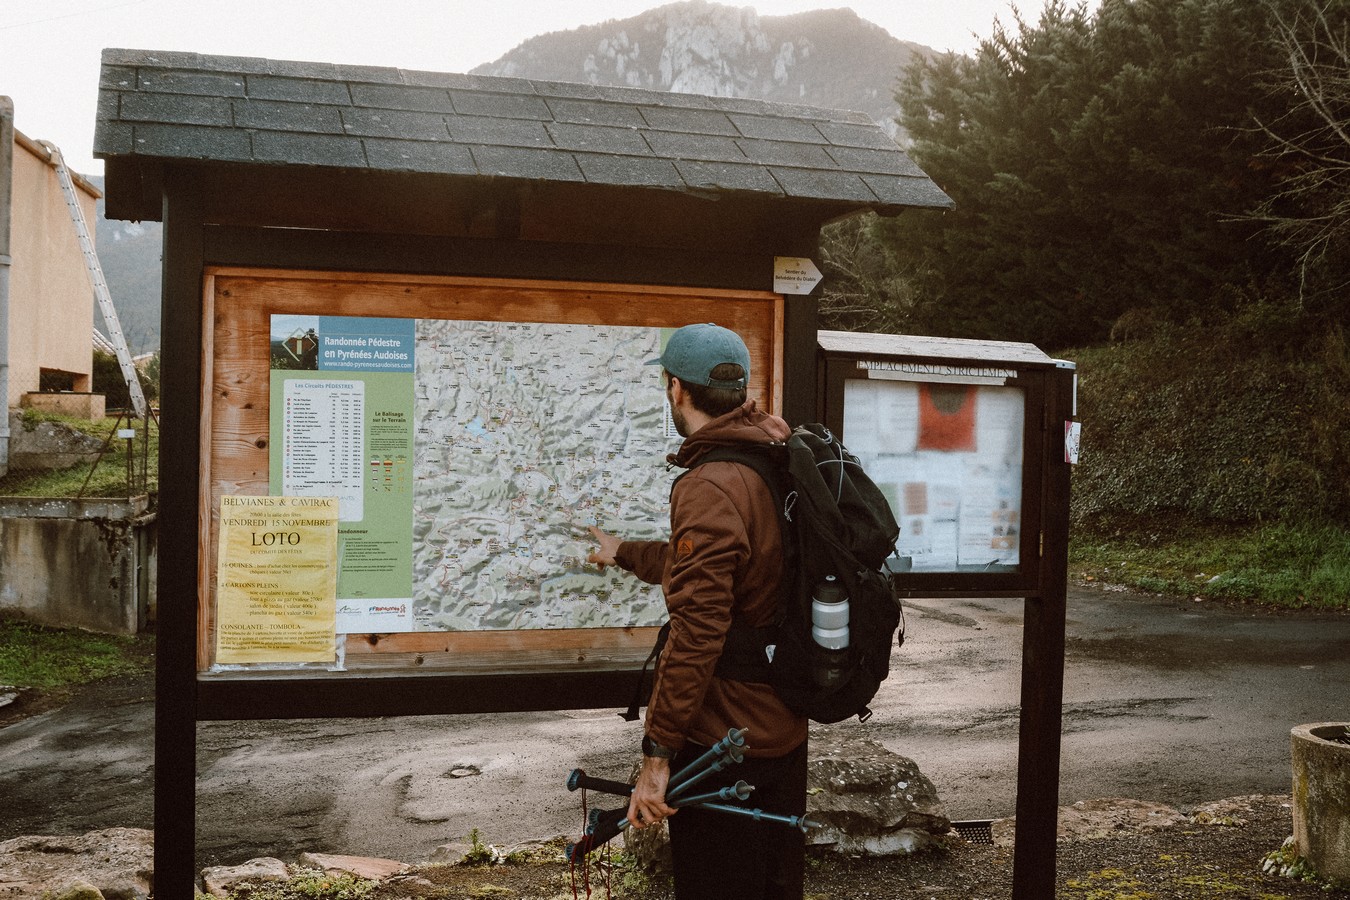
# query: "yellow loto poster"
[[276, 580]]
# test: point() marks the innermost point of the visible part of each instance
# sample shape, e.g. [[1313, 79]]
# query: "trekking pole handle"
[[579, 779], [603, 826], [602, 819]]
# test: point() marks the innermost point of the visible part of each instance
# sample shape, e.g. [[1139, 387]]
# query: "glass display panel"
[[464, 432], [948, 457]]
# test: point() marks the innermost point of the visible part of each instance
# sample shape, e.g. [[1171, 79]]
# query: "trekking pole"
[[599, 821], [732, 756], [605, 825], [579, 779], [735, 739], [760, 815], [738, 791], [602, 826]]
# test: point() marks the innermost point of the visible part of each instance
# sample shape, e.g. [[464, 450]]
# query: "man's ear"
[[676, 390]]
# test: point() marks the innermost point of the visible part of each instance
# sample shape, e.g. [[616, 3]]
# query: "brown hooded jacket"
[[723, 563]]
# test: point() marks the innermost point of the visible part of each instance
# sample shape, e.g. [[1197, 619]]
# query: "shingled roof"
[[175, 106]]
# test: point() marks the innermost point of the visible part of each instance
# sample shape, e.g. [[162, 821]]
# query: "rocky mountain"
[[829, 57]]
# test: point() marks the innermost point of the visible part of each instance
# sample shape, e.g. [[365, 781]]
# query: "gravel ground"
[[1183, 862]]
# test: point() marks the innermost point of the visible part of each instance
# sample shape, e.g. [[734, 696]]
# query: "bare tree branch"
[[862, 290], [1309, 213]]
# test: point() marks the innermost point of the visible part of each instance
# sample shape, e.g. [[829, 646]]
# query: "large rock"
[[77, 890], [868, 799], [220, 880], [117, 863], [48, 445], [370, 868]]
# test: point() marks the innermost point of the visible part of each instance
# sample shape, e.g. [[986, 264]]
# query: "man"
[[722, 565]]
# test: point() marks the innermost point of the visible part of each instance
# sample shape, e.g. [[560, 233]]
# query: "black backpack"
[[835, 522]]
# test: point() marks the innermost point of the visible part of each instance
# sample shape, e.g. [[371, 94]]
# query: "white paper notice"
[[324, 439], [1073, 439]]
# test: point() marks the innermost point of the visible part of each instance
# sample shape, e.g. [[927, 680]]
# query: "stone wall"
[[78, 563], [49, 445]]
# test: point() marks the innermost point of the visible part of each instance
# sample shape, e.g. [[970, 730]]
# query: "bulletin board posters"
[[342, 425], [527, 416], [948, 457], [276, 580]]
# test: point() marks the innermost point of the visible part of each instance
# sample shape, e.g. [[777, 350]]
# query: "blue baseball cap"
[[695, 350]]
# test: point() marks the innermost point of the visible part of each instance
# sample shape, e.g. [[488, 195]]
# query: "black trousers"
[[723, 855]]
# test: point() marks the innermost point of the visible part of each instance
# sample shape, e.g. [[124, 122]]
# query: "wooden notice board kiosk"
[[405, 316], [972, 443]]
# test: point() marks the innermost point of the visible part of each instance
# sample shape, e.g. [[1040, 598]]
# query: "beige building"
[[48, 305]]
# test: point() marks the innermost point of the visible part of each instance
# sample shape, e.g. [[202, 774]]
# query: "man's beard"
[[681, 423]]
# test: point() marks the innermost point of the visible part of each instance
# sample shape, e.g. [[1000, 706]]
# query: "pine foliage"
[[1101, 165]]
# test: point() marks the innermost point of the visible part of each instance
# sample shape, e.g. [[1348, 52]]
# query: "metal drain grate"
[[975, 831]]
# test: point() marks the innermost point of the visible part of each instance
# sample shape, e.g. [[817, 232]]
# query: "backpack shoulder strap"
[[770, 462]]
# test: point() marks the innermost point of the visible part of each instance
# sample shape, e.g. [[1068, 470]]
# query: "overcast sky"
[[49, 51]]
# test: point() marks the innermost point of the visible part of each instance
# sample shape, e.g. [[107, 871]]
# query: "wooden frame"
[[235, 429], [1041, 579], [847, 357]]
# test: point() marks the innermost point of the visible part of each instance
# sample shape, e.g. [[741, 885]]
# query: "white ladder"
[[95, 270]]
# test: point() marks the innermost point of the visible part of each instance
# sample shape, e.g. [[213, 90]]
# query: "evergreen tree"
[[1101, 165]]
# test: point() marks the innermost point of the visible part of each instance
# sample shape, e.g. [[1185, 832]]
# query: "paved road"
[[1169, 700]]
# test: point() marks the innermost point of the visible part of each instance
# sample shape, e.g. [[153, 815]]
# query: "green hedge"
[[1246, 421]]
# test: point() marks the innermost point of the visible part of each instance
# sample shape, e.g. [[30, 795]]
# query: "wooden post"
[[176, 630], [1043, 662]]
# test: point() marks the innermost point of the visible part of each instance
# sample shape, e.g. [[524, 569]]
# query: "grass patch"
[[109, 476], [1286, 565], [52, 659], [307, 884]]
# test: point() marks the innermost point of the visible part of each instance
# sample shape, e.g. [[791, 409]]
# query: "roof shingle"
[[172, 105]]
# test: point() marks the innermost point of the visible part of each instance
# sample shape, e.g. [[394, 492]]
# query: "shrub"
[[1238, 422]]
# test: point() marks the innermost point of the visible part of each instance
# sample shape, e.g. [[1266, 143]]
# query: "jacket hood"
[[746, 425]]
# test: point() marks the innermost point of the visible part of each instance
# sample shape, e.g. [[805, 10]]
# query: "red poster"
[[946, 416]]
